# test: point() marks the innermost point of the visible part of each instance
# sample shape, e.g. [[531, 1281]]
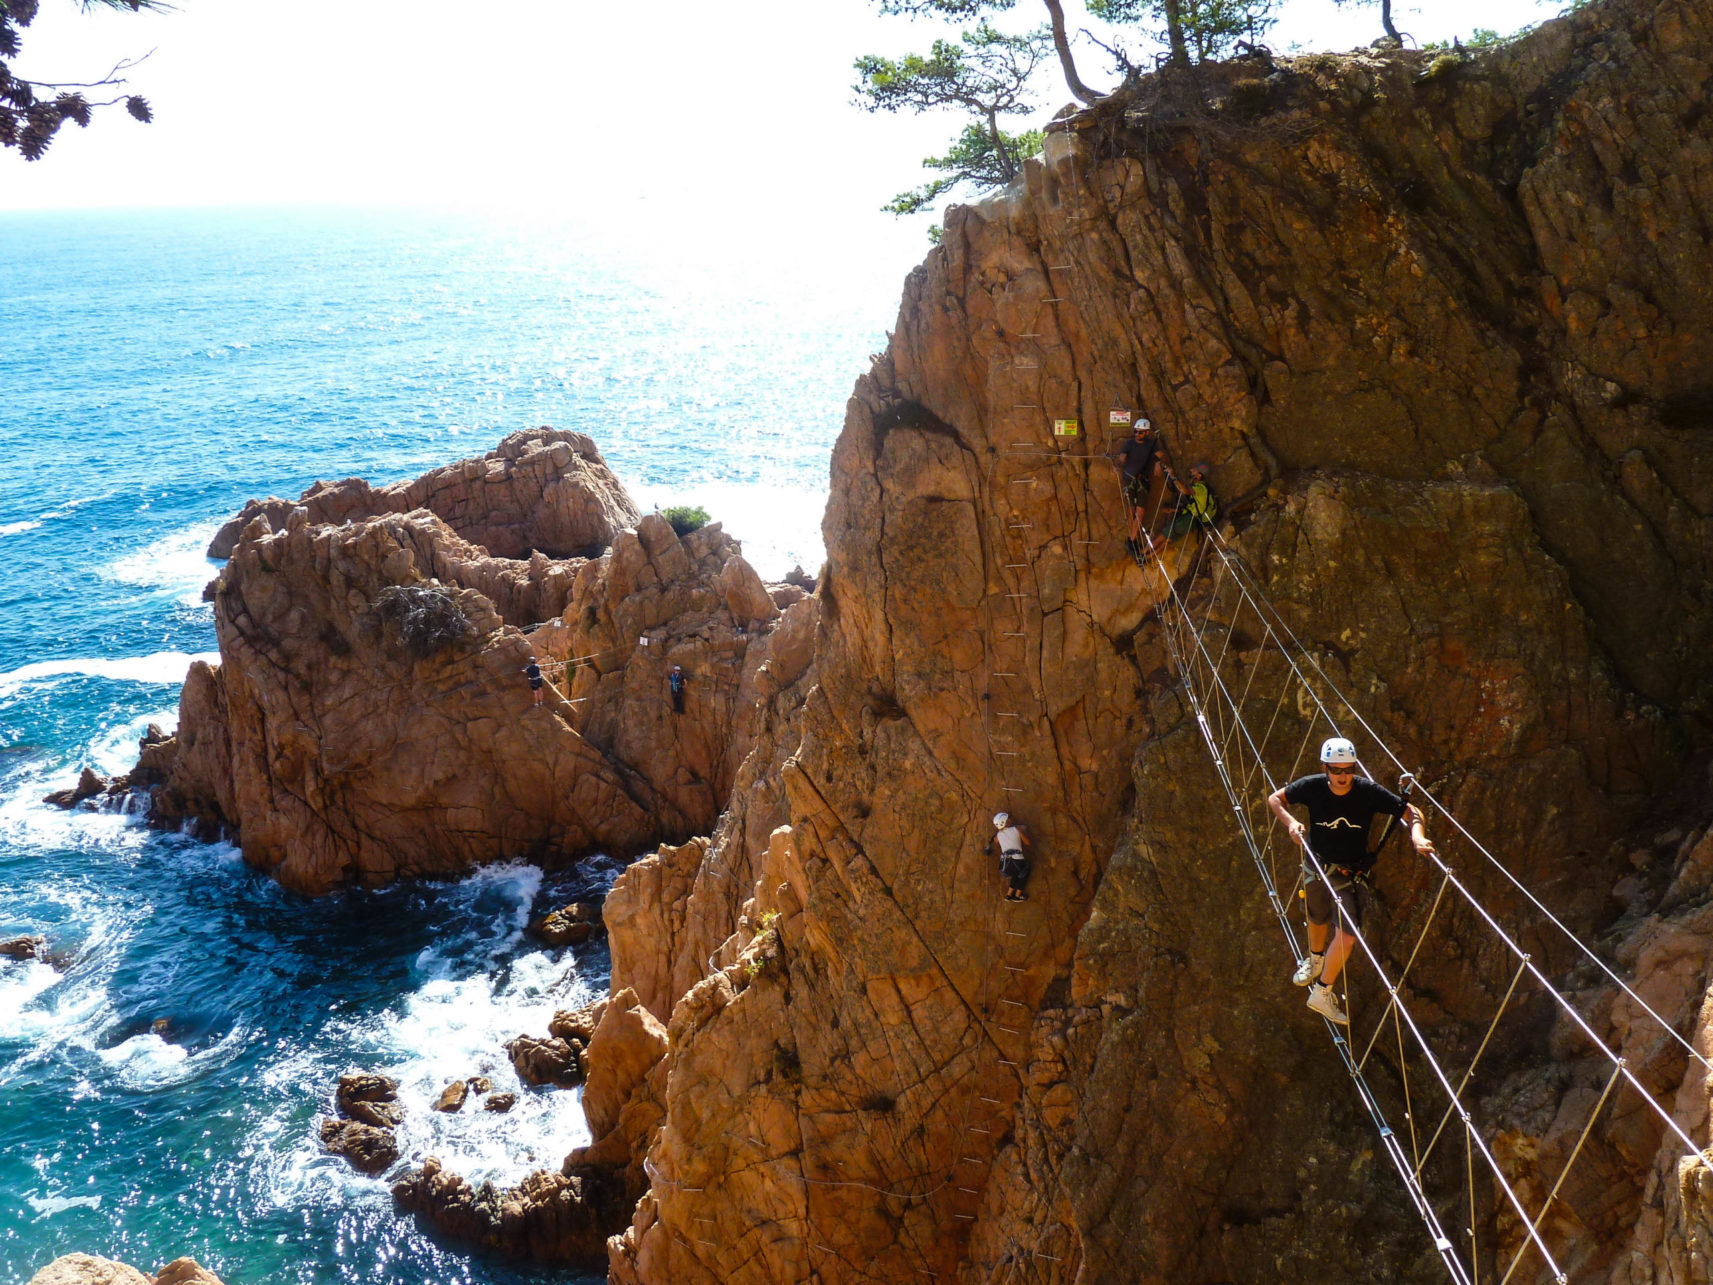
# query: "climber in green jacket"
[[1195, 505]]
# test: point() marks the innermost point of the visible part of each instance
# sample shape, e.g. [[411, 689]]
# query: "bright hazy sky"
[[607, 109]]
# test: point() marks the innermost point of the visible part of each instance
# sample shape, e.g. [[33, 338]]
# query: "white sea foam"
[[178, 562], [114, 750], [17, 528], [21, 982], [48, 1206], [27, 823], [161, 667], [148, 1061], [453, 1026]]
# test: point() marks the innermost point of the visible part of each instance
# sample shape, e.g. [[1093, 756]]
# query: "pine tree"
[[32, 111]]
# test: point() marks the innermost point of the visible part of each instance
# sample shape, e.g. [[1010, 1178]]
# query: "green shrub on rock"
[[685, 518]]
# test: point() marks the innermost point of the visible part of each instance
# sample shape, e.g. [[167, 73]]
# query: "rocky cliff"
[[1436, 320], [370, 718]]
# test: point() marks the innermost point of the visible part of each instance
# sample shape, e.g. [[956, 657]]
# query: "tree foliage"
[[1191, 30], [984, 74], [426, 618], [980, 157], [964, 10], [32, 111]]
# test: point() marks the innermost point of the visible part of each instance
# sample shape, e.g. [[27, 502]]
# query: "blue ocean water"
[[157, 369]]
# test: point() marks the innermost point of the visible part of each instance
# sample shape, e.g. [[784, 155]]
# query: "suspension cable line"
[[1191, 658], [1240, 571], [1235, 564]]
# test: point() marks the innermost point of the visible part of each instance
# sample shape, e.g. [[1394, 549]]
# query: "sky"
[[730, 112]]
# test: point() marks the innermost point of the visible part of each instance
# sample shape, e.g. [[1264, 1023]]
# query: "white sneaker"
[[1324, 1002], [1309, 970]]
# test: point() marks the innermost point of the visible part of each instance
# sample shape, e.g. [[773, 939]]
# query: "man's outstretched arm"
[[1293, 827]]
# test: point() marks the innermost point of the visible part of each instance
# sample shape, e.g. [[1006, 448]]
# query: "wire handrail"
[[1228, 556], [1212, 700]]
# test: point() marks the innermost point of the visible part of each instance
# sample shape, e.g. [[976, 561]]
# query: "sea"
[[161, 1083]]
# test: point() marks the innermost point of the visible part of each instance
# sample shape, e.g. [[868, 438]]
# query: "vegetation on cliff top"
[[986, 74]]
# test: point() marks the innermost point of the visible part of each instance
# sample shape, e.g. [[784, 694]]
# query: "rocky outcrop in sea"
[[370, 718]]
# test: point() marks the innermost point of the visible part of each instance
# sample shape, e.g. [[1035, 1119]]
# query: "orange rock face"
[[1486, 512], [542, 491], [370, 718]]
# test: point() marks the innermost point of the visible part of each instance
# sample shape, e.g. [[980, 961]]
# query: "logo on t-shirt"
[[1338, 822]]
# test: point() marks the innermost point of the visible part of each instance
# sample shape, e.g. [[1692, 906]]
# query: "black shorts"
[[535, 684], [1354, 895], [1136, 488], [1015, 871]]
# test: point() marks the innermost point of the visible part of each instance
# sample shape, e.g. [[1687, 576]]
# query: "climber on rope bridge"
[[1342, 808], [1139, 461], [1195, 505], [1011, 838]]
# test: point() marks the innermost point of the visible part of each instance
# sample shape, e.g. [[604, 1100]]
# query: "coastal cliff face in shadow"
[[1435, 321]]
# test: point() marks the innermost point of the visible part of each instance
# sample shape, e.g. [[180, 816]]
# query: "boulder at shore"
[[86, 1269]]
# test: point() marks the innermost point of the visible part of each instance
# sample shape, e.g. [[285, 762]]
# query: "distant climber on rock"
[[1011, 838], [675, 684], [1139, 463], [1342, 808], [1194, 505], [532, 671]]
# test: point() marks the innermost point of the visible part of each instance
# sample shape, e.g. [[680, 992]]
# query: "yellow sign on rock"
[[1064, 428]]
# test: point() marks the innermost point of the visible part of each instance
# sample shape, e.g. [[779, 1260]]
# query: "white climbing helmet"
[[1001, 820], [1335, 749]]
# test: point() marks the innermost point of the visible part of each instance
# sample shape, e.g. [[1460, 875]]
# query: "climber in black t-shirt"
[[1139, 462], [1342, 809]]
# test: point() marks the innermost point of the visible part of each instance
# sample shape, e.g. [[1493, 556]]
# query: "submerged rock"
[[89, 784], [569, 926], [371, 1149], [549, 1061], [500, 1102], [549, 1217], [370, 1110]]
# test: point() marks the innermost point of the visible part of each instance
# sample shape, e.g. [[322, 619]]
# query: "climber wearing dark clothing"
[[675, 683], [1139, 461], [1011, 838], [532, 671], [1342, 808]]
